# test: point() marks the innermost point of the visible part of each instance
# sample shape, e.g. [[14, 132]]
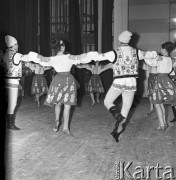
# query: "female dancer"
[[125, 71], [165, 89], [63, 87], [95, 85], [173, 77], [39, 84]]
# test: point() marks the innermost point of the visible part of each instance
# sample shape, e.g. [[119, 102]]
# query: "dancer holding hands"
[[125, 71], [13, 65], [95, 86], [63, 87]]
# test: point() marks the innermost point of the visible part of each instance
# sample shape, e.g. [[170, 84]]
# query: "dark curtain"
[[107, 76], [95, 10], [107, 25], [75, 40], [74, 27], [19, 19], [45, 27]]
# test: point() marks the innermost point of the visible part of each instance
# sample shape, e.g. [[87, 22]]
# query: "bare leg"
[[151, 106], [37, 99], [66, 118], [57, 115], [92, 98], [98, 97], [160, 116], [164, 114]]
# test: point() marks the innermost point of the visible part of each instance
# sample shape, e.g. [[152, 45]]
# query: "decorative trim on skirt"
[[164, 90], [39, 84], [95, 84], [62, 90]]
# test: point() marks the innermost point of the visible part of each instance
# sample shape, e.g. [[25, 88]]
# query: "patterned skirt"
[[95, 84], [173, 77], [164, 90], [39, 84], [151, 83], [62, 90]]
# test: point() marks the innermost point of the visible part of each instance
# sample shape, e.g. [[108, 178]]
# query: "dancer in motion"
[[63, 87], [13, 65], [125, 71], [39, 84], [95, 86], [165, 89], [173, 77]]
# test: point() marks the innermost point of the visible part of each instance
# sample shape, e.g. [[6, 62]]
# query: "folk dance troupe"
[[124, 61]]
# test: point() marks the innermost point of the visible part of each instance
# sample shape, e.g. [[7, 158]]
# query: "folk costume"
[[165, 89], [13, 67], [125, 71], [39, 84], [172, 75], [95, 83], [63, 87]]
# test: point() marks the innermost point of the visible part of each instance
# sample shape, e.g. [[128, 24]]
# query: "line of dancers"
[[124, 61]]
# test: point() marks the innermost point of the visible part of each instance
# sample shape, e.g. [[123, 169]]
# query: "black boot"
[[11, 122], [114, 111], [114, 133], [174, 112]]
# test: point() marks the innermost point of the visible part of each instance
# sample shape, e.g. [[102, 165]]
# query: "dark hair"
[[168, 46], [56, 45]]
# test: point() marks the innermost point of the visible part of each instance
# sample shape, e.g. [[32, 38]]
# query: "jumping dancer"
[[95, 86], [13, 65], [63, 87], [125, 71]]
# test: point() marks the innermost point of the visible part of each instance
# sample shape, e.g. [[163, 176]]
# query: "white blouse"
[[63, 63], [164, 65]]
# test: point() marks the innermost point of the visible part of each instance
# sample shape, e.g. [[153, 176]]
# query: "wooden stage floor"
[[38, 153]]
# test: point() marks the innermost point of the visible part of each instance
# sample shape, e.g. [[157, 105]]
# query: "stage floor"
[[38, 153]]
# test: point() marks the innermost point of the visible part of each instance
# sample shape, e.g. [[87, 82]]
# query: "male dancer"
[[13, 67], [125, 71]]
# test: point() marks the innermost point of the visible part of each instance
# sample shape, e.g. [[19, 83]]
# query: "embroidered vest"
[[12, 70], [126, 64]]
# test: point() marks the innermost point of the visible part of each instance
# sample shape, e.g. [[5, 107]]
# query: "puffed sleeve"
[[31, 56], [111, 56]]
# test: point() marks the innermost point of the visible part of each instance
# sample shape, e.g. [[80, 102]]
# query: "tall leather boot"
[[174, 112], [11, 122], [115, 133], [114, 111]]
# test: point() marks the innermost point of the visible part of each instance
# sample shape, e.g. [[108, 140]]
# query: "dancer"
[[13, 65], [151, 80], [63, 87], [125, 71], [165, 89], [173, 77], [95, 86], [39, 84]]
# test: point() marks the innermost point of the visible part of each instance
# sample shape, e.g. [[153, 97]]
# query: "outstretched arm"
[[31, 56], [104, 68], [111, 56], [83, 58]]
